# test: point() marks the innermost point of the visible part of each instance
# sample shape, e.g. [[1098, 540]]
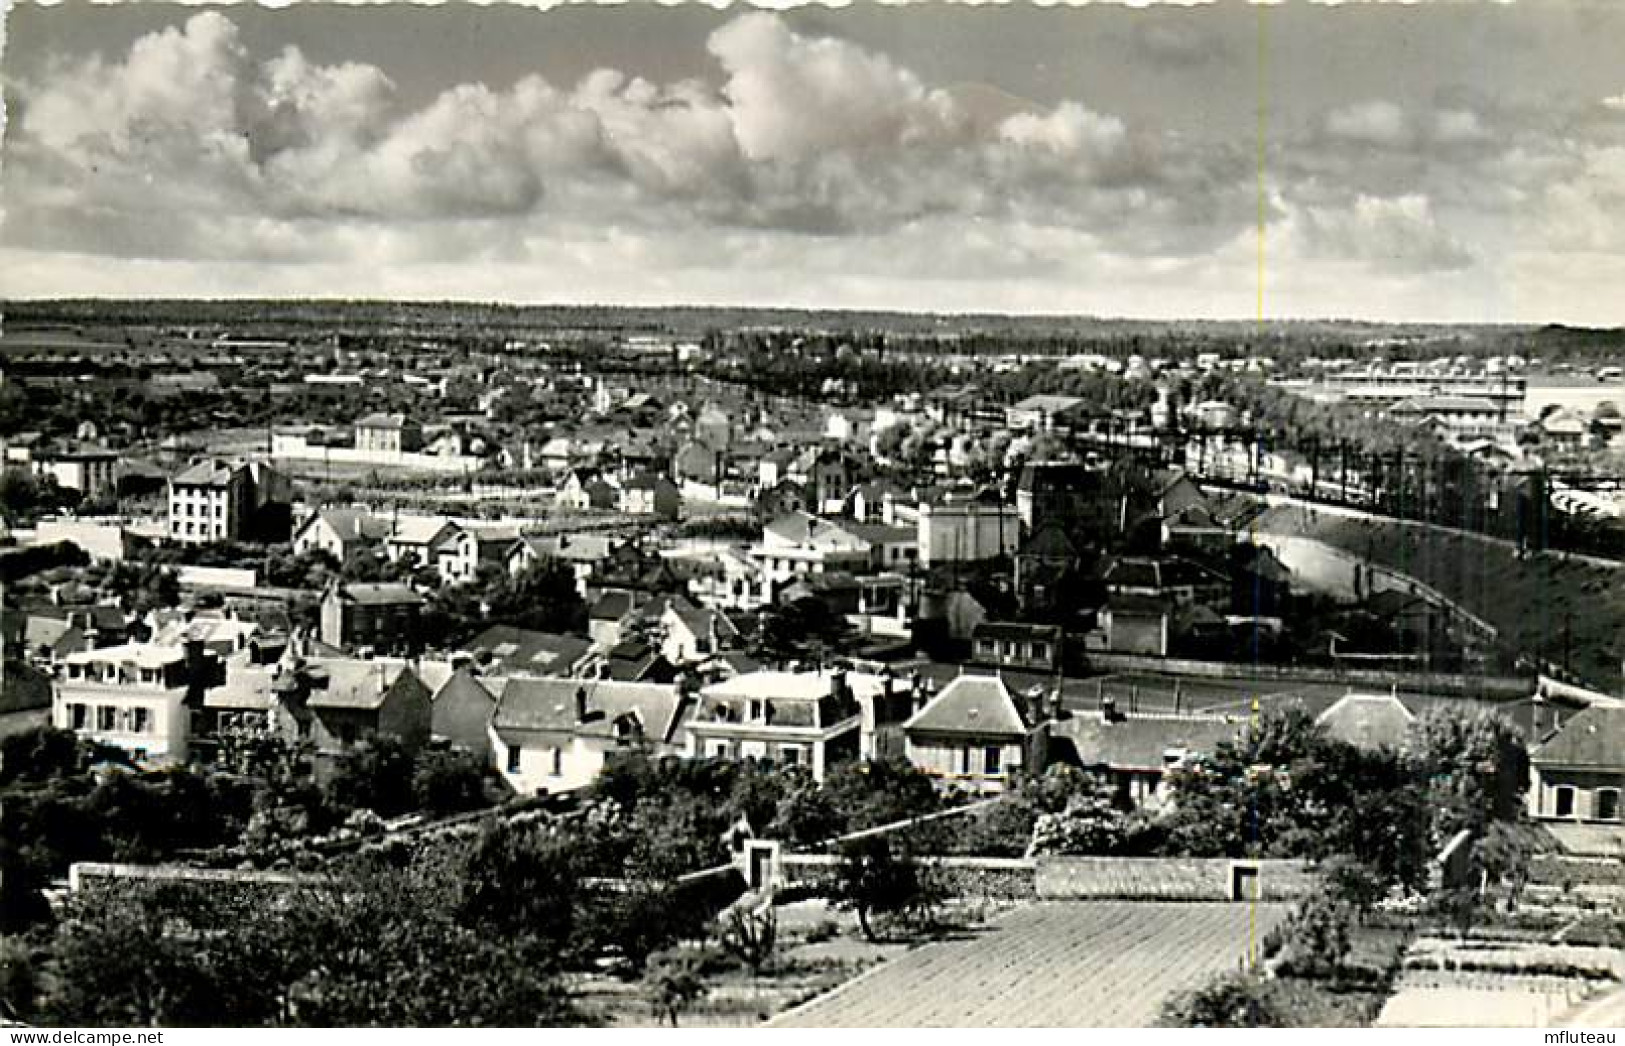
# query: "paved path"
[[1064, 965]]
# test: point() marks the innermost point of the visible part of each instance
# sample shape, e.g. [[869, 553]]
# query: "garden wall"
[[1168, 879], [992, 878], [1557, 869]]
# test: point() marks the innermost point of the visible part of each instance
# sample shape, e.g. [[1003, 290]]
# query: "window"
[[106, 717], [77, 716], [991, 760], [719, 750], [791, 756], [755, 711], [558, 762], [513, 759], [964, 760], [140, 721], [1607, 804], [1040, 651], [1565, 801]]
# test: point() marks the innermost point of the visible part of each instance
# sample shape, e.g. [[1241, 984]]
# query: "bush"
[[1232, 1000]]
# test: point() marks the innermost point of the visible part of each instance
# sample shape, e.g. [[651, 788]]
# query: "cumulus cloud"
[[1399, 234], [804, 134]]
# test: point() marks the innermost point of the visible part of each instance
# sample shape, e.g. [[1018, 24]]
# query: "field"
[[1107, 965]]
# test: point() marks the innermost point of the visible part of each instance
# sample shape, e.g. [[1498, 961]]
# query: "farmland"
[[1049, 965]]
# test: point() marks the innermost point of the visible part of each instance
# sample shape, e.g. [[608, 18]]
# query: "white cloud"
[[1399, 234]]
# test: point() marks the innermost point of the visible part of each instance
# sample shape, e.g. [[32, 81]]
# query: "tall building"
[[219, 500]]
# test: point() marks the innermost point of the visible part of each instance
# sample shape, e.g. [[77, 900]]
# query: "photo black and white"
[[919, 515]]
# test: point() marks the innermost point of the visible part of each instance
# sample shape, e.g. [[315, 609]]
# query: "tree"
[[367, 944], [749, 933], [1476, 767], [1318, 939], [1092, 823], [42, 753], [375, 775], [803, 629], [674, 982], [448, 781], [871, 881]]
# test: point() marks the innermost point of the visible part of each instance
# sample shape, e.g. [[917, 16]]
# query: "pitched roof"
[[1049, 541], [419, 530], [463, 683], [1368, 721], [210, 473], [380, 593], [1143, 742], [383, 421], [353, 682], [1016, 630], [351, 524], [612, 606], [1594, 737], [527, 705], [528, 652], [247, 688], [979, 705]]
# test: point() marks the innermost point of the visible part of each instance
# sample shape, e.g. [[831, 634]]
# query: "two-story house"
[[132, 696], [810, 719], [388, 434], [557, 735], [340, 532], [384, 616]]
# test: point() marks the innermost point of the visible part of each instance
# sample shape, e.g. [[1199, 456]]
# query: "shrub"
[[1231, 1000]]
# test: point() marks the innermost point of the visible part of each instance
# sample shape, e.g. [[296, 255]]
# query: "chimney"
[[581, 704]]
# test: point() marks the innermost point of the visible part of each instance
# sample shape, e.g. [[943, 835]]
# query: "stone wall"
[[1166, 879]]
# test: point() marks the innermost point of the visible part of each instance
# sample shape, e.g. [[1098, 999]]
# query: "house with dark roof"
[[1135, 752], [629, 661], [383, 616], [1368, 721], [1578, 772], [354, 700], [557, 735], [971, 736], [1017, 645], [340, 532], [503, 650], [608, 615], [691, 633], [460, 713]]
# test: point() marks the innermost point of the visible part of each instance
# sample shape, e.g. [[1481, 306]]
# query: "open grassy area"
[[1565, 611]]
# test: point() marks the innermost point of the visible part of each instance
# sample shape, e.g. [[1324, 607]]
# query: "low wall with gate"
[[1171, 879]]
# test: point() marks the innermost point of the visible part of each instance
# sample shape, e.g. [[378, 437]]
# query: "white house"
[[557, 735], [130, 696]]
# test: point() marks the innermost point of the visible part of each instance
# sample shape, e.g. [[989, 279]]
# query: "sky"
[[1459, 162]]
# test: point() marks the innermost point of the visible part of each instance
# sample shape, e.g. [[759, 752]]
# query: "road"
[[1056, 965]]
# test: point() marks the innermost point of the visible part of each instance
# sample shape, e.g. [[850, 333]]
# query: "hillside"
[[1565, 611]]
